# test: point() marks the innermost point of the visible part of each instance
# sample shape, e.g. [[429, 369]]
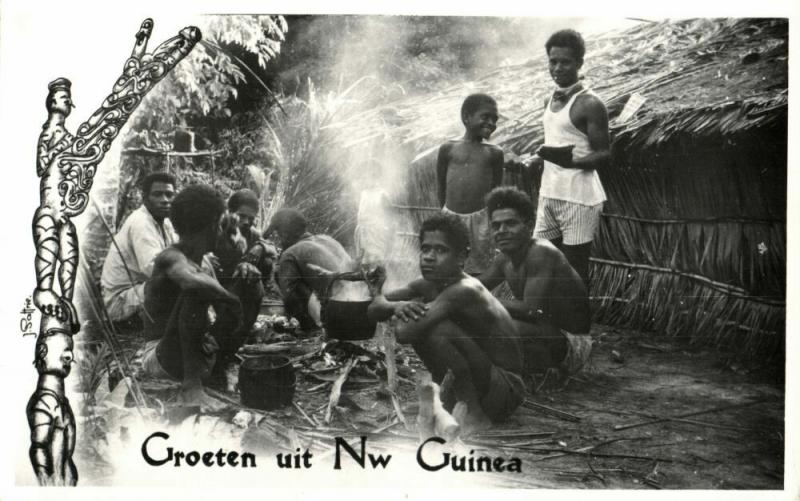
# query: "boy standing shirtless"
[[455, 324], [466, 170]]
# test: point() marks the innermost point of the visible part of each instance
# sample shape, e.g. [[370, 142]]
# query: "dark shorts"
[[505, 393]]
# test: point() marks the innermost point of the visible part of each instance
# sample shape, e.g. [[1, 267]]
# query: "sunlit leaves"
[[205, 81]]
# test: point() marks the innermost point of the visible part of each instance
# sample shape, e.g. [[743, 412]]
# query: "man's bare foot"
[[433, 419], [445, 425], [471, 418], [425, 420]]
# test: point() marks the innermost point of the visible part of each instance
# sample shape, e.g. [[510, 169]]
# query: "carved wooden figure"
[[66, 165], [50, 416]]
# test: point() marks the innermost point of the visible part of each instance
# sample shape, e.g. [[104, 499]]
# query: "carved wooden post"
[[66, 165]]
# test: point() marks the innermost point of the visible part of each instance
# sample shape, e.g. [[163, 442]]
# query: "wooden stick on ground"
[[513, 434], [582, 452], [550, 411], [585, 450], [309, 419], [398, 410], [386, 427], [687, 414], [699, 423], [336, 390], [389, 351]]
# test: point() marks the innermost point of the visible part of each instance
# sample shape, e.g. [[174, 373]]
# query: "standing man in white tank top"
[[576, 147]]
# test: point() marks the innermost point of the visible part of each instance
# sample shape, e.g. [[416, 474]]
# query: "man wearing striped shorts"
[[576, 146]]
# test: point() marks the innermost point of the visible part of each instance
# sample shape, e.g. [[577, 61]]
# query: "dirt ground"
[[631, 376], [738, 448]]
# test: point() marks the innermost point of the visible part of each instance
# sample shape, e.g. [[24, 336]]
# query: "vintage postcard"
[[421, 249]]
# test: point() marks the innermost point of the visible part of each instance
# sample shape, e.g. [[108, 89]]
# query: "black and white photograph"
[[408, 248]]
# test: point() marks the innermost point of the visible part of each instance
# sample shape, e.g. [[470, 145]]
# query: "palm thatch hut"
[[693, 237]]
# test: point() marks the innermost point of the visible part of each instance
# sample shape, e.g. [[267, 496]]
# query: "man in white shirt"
[[146, 232], [577, 146]]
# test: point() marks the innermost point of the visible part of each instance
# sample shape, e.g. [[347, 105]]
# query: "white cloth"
[[140, 240], [573, 185], [574, 223], [579, 351]]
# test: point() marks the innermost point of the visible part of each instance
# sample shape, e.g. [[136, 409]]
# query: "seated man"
[[455, 324], [241, 250], [305, 264], [178, 296], [146, 232], [550, 305]]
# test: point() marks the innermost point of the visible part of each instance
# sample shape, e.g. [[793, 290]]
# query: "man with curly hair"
[[455, 325], [550, 306], [577, 147], [183, 299]]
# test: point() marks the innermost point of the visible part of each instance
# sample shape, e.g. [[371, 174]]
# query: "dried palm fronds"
[[681, 306]]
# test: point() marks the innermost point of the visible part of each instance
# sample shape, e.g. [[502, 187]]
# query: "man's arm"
[[399, 302], [294, 291], [496, 162], [257, 260], [446, 305], [493, 275], [190, 277], [442, 162], [147, 245], [596, 117], [533, 306]]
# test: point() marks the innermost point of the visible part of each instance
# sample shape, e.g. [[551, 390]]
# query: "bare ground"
[[738, 446]]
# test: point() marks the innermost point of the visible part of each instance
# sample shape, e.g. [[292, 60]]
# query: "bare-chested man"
[[550, 306], [455, 324], [178, 296], [466, 169], [306, 265]]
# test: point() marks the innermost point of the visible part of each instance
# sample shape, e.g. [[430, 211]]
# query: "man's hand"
[[559, 155], [213, 259], [535, 164], [247, 271], [410, 310], [49, 303], [375, 279], [270, 251]]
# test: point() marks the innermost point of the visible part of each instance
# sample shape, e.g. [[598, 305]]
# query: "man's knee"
[[193, 311], [434, 336], [542, 344], [124, 305], [439, 342]]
